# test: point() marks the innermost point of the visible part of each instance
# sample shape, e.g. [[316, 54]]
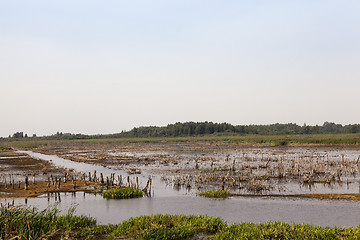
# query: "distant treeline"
[[206, 128]]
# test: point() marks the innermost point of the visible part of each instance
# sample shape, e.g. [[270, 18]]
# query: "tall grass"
[[280, 230], [215, 194], [122, 193], [164, 226], [19, 222]]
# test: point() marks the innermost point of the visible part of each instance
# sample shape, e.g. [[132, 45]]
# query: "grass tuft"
[[122, 193], [215, 194]]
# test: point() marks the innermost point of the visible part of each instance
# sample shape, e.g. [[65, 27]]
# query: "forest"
[[209, 128]]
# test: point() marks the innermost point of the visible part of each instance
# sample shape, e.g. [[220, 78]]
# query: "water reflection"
[[317, 212]]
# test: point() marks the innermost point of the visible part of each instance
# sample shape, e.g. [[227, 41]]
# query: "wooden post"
[[150, 185], [94, 177], [120, 180], [148, 182], [26, 183], [74, 182], [101, 178], [112, 179], [84, 176]]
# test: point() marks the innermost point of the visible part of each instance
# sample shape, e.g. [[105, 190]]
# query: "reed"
[[19, 222], [122, 193], [281, 230], [215, 194], [164, 226]]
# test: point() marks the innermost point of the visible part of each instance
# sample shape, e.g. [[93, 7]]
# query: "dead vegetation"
[[239, 170]]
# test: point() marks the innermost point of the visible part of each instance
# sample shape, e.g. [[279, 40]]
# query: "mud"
[[40, 188]]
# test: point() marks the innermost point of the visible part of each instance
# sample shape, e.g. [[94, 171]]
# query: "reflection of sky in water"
[[242, 156], [236, 209]]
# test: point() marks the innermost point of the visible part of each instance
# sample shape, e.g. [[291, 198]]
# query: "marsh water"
[[167, 200]]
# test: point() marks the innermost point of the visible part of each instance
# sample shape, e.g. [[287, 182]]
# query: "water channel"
[[342, 213]]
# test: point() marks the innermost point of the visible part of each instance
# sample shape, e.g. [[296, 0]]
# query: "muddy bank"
[[14, 166], [40, 188]]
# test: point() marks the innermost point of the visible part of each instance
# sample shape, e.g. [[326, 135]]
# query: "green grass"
[[280, 230], [164, 226], [122, 193], [4, 148], [273, 140], [20, 222], [215, 194]]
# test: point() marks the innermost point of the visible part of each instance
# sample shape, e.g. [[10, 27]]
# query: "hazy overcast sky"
[[93, 67]]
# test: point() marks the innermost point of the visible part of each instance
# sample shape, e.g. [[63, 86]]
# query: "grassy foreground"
[[18, 222]]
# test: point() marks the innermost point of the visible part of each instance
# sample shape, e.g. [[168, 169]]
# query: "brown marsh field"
[[292, 179], [312, 166]]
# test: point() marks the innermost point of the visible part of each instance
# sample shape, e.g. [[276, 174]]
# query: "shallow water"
[[166, 200], [232, 210]]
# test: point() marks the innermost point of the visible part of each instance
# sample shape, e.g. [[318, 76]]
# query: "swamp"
[[234, 182]]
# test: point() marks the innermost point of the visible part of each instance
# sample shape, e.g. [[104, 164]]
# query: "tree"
[[18, 135]]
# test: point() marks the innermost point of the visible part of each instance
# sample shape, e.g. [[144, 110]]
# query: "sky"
[[98, 67]]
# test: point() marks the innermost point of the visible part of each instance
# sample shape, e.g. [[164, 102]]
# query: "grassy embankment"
[[271, 140], [18, 222]]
